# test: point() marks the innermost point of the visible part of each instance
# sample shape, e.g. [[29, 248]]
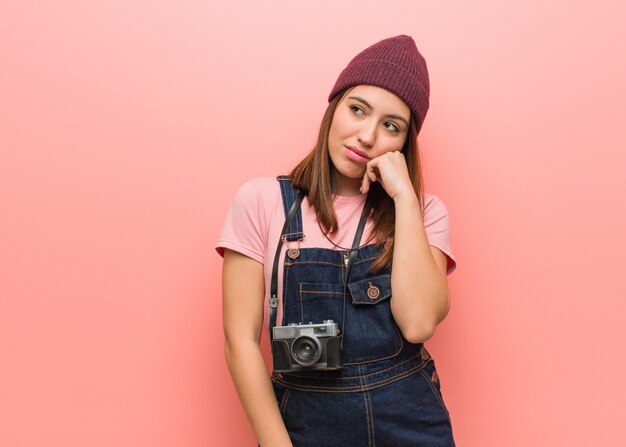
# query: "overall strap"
[[289, 194], [351, 257], [293, 220]]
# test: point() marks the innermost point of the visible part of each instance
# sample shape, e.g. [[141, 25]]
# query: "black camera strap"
[[274, 284], [350, 258], [355, 244]]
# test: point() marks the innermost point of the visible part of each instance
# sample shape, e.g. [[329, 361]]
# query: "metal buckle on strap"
[[292, 252], [274, 301]]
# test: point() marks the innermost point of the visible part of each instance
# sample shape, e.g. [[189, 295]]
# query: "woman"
[[367, 380]]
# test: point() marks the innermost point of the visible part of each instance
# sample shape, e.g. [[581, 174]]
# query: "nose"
[[367, 134]]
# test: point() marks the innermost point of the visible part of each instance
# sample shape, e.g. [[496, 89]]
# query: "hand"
[[391, 172]]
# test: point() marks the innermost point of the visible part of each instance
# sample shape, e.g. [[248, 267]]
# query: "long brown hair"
[[314, 176]]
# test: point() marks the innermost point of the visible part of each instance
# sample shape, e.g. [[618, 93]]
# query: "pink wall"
[[126, 128]]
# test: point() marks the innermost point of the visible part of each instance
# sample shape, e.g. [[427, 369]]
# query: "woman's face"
[[368, 122]]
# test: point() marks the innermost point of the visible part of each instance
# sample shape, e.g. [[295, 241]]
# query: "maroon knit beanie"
[[396, 65]]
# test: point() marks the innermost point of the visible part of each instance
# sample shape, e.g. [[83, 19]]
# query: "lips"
[[356, 154]]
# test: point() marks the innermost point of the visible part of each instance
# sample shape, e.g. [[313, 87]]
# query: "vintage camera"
[[306, 347]]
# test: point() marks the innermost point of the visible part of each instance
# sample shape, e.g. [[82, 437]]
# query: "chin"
[[351, 174]]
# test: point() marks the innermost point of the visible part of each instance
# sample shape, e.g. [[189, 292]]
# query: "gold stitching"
[[434, 390], [352, 389], [365, 375], [283, 404], [367, 408]]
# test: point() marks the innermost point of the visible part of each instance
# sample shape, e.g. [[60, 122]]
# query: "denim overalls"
[[387, 394]]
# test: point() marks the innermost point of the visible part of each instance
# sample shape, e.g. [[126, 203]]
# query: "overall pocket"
[[371, 332], [321, 301], [282, 396], [430, 375]]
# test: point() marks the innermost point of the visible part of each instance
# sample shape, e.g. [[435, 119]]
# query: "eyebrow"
[[389, 115]]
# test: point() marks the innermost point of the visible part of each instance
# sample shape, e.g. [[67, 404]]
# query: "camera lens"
[[306, 350]]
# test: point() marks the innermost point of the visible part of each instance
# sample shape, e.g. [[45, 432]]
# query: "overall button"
[[373, 292], [424, 353], [435, 377], [293, 253]]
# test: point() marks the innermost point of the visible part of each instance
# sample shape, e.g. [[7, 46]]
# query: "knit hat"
[[396, 65]]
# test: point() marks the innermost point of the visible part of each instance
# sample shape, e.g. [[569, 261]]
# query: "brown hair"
[[314, 176]]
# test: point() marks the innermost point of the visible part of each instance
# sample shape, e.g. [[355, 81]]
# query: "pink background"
[[127, 127]]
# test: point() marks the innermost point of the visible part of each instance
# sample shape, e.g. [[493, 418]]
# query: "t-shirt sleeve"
[[245, 227], [437, 226]]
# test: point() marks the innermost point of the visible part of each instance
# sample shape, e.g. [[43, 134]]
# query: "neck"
[[346, 187]]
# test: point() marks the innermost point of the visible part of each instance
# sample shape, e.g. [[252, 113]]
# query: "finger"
[[365, 184], [372, 175], [371, 168]]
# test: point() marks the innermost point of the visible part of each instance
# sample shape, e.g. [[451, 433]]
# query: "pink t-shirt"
[[257, 216]]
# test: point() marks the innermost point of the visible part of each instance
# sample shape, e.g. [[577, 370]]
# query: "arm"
[[419, 273], [243, 295], [418, 277]]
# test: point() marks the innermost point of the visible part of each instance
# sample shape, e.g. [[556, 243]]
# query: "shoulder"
[[260, 187], [248, 220], [258, 192], [437, 226], [433, 207]]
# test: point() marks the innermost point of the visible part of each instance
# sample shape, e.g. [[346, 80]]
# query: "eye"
[[357, 110], [391, 127]]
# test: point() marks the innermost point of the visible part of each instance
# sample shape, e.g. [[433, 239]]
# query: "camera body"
[[306, 347]]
